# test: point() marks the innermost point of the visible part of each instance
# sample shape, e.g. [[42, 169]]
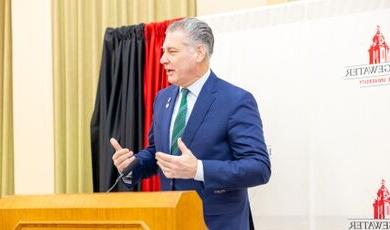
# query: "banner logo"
[[381, 212], [382, 203], [377, 72], [379, 50]]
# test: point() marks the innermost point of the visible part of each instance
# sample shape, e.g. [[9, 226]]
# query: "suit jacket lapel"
[[167, 116], [202, 105]]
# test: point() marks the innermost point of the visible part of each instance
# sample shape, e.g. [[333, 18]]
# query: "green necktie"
[[180, 122]]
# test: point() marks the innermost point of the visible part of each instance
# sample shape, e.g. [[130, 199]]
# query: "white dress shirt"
[[193, 94]]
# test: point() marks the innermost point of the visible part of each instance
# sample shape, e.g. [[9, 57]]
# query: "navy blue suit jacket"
[[225, 131]]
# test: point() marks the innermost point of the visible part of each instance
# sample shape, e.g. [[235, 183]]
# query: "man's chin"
[[172, 79]]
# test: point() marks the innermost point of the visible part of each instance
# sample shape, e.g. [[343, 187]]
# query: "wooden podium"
[[133, 210]]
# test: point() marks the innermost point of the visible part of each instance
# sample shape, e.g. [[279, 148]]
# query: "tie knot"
[[184, 92]]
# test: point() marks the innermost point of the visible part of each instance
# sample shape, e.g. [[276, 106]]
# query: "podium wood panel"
[[133, 210], [77, 225]]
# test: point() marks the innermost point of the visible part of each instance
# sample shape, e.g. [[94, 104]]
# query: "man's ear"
[[201, 53]]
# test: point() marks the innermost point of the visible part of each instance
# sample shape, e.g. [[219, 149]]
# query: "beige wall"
[[206, 7], [33, 96]]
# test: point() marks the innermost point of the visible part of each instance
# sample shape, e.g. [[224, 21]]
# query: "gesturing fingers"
[[122, 156], [166, 161], [168, 164], [115, 144], [125, 163], [165, 157], [167, 172], [183, 148]]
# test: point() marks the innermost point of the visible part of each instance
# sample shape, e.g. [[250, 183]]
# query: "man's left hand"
[[183, 166]]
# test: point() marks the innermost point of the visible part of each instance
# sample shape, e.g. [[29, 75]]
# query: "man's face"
[[179, 59]]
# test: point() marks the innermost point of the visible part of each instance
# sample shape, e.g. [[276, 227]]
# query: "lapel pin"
[[167, 105]]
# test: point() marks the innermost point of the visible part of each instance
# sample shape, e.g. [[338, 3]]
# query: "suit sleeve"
[[250, 164], [147, 164]]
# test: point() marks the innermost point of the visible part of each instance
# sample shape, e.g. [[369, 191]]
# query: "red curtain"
[[154, 79]]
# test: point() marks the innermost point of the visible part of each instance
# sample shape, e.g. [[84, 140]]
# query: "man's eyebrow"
[[169, 48]]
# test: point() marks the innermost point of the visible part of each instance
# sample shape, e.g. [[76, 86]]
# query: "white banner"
[[325, 106]]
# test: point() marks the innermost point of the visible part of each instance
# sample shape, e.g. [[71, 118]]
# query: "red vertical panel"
[[155, 79]]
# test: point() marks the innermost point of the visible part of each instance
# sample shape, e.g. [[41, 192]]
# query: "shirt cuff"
[[199, 176], [128, 179]]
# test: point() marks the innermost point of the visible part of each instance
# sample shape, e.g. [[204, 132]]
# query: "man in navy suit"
[[206, 134]]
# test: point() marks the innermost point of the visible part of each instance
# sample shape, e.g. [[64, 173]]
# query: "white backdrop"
[[329, 137]]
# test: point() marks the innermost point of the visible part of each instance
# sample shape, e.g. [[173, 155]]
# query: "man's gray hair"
[[197, 30]]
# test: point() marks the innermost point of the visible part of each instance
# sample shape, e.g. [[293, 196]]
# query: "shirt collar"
[[198, 84]]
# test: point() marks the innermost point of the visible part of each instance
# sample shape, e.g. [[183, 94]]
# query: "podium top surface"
[[99, 200]]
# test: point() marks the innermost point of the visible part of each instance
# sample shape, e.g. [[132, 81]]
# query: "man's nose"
[[163, 59]]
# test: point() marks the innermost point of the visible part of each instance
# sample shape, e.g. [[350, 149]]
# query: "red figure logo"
[[379, 50], [382, 203]]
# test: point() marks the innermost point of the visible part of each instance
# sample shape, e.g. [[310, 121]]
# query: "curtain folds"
[[130, 77], [78, 32], [154, 80], [6, 108], [118, 109]]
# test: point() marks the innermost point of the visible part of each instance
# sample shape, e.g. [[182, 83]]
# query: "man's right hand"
[[122, 157]]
